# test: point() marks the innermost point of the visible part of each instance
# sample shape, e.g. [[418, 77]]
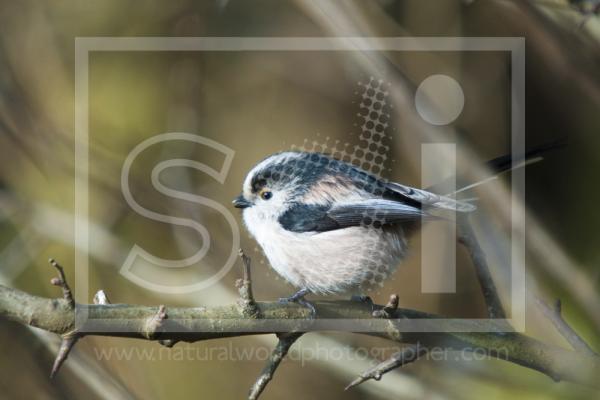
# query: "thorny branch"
[[406, 355], [289, 322], [397, 360], [490, 294], [286, 340]]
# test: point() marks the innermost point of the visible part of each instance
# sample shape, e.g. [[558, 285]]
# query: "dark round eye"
[[266, 195]]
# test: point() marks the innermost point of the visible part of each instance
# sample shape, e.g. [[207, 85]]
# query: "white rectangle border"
[[514, 45]]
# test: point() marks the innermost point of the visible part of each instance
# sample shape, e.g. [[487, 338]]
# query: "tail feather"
[[501, 165]]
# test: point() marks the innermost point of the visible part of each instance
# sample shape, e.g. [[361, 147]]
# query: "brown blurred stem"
[[490, 293], [284, 344], [554, 314]]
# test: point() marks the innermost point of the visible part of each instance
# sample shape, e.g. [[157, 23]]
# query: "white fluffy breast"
[[327, 262]]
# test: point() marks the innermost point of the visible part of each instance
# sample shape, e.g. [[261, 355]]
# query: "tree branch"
[[289, 321], [554, 314], [286, 341], [195, 324], [490, 294], [405, 356]]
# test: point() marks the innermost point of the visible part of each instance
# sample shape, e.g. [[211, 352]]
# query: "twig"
[[279, 352], [244, 285], [406, 355], [69, 339], [554, 314], [62, 282], [490, 293]]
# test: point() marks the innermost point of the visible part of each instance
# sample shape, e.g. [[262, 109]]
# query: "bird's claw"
[[309, 305], [298, 298]]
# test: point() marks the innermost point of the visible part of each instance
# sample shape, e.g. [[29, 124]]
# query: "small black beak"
[[241, 202]]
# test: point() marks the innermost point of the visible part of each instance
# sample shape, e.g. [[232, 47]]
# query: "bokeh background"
[[257, 103]]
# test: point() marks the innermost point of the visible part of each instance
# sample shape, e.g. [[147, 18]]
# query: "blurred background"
[[257, 103]]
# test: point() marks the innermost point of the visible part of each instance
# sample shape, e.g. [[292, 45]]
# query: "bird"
[[327, 226]]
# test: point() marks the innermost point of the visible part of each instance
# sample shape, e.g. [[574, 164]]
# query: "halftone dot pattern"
[[371, 152], [369, 155]]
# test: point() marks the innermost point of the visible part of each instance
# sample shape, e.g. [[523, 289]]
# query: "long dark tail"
[[501, 165], [504, 163]]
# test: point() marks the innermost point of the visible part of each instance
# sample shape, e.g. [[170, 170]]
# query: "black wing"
[[373, 212]]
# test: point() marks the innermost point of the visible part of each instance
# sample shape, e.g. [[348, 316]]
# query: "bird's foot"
[[298, 298]]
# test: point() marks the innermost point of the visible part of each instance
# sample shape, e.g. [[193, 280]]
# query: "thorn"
[[168, 342], [162, 313], [154, 323], [101, 298], [63, 352], [355, 382]]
